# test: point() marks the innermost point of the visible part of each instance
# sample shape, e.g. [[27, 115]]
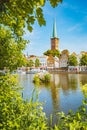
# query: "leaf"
[[42, 2], [30, 28]]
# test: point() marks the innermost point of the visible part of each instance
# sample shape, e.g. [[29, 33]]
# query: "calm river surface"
[[62, 94]]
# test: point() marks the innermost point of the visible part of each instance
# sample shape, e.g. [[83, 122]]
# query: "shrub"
[[46, 78], [15, 113], [84, 90], [36, 78], [42, 78]]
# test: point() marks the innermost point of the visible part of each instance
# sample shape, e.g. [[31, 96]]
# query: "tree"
[[52, 52], [55, 53], [65, 52], [83, 60], [11, 55], [72, 60], [30, 63], [37, 63], [18, 14]]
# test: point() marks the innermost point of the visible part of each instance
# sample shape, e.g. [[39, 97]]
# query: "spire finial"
[[54, 35]]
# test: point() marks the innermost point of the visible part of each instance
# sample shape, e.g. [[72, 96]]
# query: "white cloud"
[[74, 27]]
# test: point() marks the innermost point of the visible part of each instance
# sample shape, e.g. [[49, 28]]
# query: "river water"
[[62, 94]]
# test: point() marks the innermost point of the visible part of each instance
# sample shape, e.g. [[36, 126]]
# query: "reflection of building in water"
[[55, 79], [55, 92], [64, 81], [69, 82], [73, 81]]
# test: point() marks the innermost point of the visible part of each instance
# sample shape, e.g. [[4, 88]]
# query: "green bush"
[[46, 78], [84, 90], [42, 78], [36, 78], [15, 113]]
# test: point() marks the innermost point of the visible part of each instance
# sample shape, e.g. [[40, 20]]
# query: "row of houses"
[[46, 61], [61, 63]]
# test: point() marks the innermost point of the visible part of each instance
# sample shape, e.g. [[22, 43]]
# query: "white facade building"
[[42, 59], [56, 62], [63, 61]]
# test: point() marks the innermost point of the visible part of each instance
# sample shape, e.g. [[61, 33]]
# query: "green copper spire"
[[54, 35]]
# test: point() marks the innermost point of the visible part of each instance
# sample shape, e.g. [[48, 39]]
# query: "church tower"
[[54, 38]]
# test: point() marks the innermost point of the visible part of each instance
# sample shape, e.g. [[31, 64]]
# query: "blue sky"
[[71, 21]]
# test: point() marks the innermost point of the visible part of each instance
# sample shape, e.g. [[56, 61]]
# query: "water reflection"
[[62, 94], [83, 78], [55, 96], [66, 82]]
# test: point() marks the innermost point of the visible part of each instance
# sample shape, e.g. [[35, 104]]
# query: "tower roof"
[[54, 35]]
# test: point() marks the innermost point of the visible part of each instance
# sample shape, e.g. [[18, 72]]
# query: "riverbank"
[[67, 72]]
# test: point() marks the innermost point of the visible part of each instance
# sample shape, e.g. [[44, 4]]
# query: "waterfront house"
[[63, 60], [42, 59]]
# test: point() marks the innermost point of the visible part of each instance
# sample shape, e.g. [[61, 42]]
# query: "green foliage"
[[72, 60], [17, 14], [52, 52], [65, 52], [84, 90], [15, 113], [83, 60], [37, 63], [30, 63], [55, 2], [41, 78], [46, 78], [73, 121], [36, 79], [11, 55]]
